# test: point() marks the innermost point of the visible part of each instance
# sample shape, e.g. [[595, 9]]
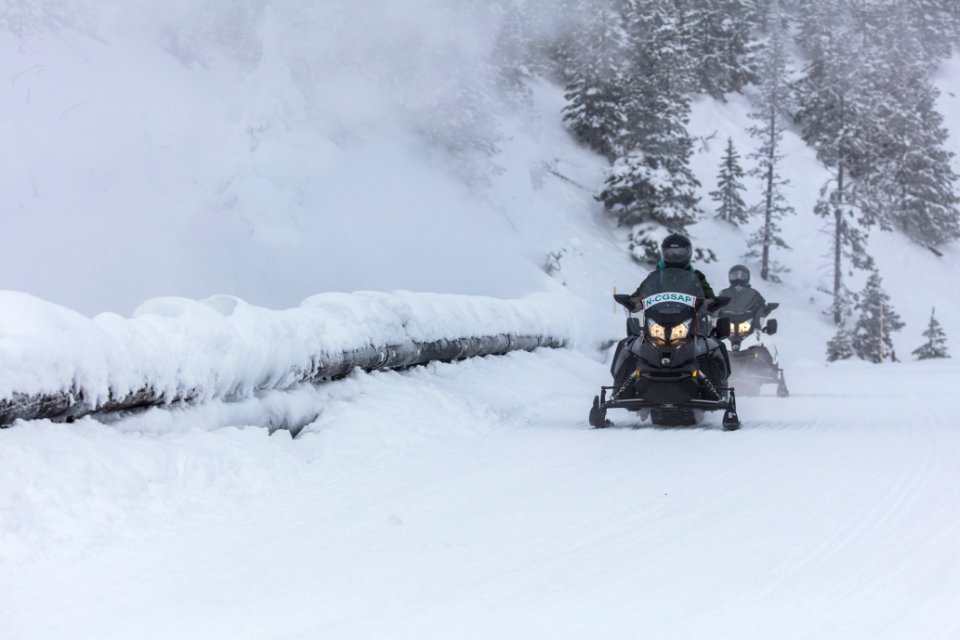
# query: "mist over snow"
[[272, 151]]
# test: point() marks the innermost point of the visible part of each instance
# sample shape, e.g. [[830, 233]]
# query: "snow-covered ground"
[[471, 501]]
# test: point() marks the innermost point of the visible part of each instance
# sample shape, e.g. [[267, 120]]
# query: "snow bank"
[[223, 347]]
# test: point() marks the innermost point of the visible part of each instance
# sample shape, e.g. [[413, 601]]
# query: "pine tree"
[[597, 93], [513, 56], [914, 189], [839, 347], [773, 96], [933, 24], [731, 207], [28, 18], [814, 23], [556, 42], [928, 204], [837, 102], [661, 73], [652, 180], [955, 16], [721, 43], [656, 187], [936, 344], [871, 334]]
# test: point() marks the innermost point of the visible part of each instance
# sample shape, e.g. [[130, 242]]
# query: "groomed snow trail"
[[471, 500]]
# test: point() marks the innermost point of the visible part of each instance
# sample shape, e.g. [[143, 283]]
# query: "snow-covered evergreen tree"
[[814, 22], [556, 51], [839, 347], [914, 188], [720, 43], [877, 320], [936, 344], [597, 94], [730, 204], [772, 104], [925, 198], [26, 18], [513, 56], [849, 244], [837, 101], [652, 181], [932, 21], [661, 73]]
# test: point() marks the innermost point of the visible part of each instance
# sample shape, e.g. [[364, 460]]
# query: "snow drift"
[[56, 362]]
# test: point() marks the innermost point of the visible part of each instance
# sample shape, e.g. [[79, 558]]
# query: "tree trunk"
[[838, 249], [768, 213]]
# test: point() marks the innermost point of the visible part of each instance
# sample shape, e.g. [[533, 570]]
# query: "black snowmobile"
[[667, 368], [753, 363]]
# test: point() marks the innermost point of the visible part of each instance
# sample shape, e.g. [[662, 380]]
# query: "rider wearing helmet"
[[740, 290], [676, 252]]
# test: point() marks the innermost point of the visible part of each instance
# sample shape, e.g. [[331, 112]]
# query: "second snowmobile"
[[754, 365]]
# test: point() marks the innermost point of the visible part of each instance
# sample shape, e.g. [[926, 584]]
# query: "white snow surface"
[[224, 347], [471, 501]]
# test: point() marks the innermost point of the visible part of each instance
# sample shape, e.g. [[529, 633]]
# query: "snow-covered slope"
[[145, 160], [194, 153], [914, 277]]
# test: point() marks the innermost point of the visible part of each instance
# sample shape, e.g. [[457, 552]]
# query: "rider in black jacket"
[[676, 252], [740, 289]]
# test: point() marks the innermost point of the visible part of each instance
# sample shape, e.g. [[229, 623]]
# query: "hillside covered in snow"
[[194, 152]]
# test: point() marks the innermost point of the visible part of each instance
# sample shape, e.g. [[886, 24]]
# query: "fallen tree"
[[66, 366]]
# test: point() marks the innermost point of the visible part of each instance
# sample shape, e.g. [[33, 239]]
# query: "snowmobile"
[[753, 363], [667, 369]]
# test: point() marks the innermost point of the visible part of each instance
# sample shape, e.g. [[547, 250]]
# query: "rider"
[[740, 291], [676, 252]]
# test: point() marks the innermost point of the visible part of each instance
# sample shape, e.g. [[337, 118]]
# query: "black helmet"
[[676, 251], [739, 275]]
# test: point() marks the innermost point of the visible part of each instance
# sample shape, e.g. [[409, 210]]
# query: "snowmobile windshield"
[[670, 296], [743, 301]]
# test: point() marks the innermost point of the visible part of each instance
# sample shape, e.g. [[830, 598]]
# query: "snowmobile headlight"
[[744, 327], [680, 331], [657, 331]]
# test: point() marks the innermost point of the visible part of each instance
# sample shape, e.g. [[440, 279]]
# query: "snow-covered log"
[[55, 363]]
